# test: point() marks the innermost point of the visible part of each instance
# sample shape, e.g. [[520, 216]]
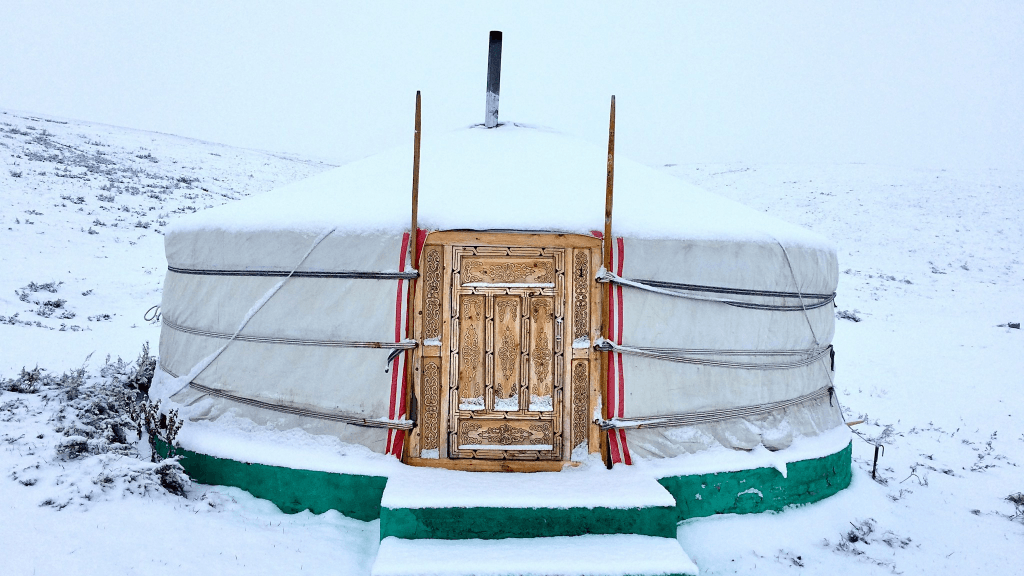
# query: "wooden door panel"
[[433, 283], [498, 271], [513, 296], [497, 375], [542, 352], [508, 356], [472, 347], [430, 419], [502, 434]]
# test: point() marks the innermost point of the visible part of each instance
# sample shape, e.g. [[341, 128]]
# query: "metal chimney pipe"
[[493, 79]]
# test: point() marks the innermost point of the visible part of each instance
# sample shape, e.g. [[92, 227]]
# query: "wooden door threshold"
[[491, 465]]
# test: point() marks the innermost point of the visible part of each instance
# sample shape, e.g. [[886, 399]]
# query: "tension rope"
[[403, 345], [286, 409], [708, 416], [702, 293], [351, 274], [396, 348], [252, 312], [687, 356], [807, 357]]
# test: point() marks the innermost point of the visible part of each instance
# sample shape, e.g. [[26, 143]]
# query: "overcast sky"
[[929, 83]]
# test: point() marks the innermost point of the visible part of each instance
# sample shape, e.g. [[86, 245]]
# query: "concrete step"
[[447, 505], [597, 555]]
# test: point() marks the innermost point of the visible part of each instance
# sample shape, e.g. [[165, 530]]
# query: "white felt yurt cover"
[[354, 218]]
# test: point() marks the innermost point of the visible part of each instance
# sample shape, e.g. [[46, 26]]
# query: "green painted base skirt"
[[292, 490], [760, 489], [359, 496], [499, 523]]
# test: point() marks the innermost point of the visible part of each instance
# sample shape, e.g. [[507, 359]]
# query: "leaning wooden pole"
[[415, 187], [608, 190], [608, 246], [411, 295]]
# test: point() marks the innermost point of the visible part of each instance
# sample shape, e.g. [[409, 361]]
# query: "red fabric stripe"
[[398, 337], [622, 254], [613, 447], [421, 238], [613, 441], [394, 393], [611, 357], [397, 441], [618, 338], [620, 412], [399, 444], [625, 449], [398, 310], [398, 437]]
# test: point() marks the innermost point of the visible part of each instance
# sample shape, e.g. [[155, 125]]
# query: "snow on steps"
[[598, 555], [589, 488], [440, 504]]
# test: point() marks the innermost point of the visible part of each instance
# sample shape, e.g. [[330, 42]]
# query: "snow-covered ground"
[[931, 264], [932, 267], [84, 207]]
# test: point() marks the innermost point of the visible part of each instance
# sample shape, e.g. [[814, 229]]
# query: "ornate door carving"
[[507, 304], [498, 375]]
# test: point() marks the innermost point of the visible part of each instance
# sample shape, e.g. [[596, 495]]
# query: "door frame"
[[584, 369]]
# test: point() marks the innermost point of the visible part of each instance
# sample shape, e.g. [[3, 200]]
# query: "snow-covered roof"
[[513, 178]]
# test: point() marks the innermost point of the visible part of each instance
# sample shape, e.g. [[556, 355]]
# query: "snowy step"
[[598, 555], [436, 488], [444, 504]]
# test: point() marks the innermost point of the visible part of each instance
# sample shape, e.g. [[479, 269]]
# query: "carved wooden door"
[[499, 376], [508, 311]]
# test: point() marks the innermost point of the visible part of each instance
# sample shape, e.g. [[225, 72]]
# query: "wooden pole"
[[415, 184], [411, 296], [608, 190], [608, 245]]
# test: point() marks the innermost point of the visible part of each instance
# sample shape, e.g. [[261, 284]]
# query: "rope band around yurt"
[[709, 416], [403, 345], [702, 293], [285, 409], [687, 356], [346, 274]]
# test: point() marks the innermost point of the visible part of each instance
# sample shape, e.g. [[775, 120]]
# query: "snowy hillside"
[[932, 266], [932, 274], [84, 207]]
